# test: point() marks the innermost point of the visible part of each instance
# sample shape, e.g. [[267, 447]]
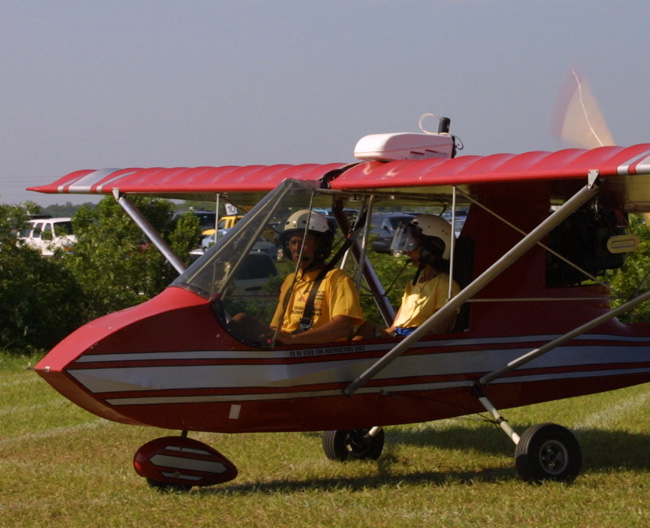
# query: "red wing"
[[183, 182], [627, 168]]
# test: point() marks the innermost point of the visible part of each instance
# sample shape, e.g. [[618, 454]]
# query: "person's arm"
[[392, 327], [340, 327]]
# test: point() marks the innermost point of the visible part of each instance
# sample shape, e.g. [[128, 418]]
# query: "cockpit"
[[240, 278]]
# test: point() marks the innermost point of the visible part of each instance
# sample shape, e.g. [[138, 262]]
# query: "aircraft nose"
[[90, 364]]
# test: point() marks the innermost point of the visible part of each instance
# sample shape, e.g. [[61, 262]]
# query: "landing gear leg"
[[543, 452]]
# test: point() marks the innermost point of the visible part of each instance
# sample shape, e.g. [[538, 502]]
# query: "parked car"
[[225, 223], [261, 246], [254, 274], [48, 235], [207, 219], [383, 226], [460, 217]]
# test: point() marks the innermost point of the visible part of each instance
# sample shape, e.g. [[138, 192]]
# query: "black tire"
[[353, 444], [548, 452], [164, 487]]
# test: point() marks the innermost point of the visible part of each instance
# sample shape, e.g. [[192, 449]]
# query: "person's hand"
[[286, 339]]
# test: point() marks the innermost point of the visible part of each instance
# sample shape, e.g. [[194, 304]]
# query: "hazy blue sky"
[[129, 83]]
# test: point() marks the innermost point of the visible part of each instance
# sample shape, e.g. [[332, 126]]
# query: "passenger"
[[335, 306], [426, 240]]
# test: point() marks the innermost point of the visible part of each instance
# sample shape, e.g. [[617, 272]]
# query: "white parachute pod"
[[404, 145]]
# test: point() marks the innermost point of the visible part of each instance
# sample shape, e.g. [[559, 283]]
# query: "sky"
[[89, 84]]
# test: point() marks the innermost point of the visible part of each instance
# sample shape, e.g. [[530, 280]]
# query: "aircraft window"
[[241, 271], [582, 239], [256, 266]]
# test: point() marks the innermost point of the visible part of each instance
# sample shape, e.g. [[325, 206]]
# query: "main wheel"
[[548, 452], [353, 444]]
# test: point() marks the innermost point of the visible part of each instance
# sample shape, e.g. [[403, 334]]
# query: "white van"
[[48, 234]]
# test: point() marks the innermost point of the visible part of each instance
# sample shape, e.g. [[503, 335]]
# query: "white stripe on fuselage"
[[156, 377], [385, 390]]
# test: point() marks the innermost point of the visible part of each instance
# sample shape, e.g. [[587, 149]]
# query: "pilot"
[[426, 240], [317, 304], [335, 307]]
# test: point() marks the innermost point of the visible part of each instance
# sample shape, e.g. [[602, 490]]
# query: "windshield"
[[244, 269]]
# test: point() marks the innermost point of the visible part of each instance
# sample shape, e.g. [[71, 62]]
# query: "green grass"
[[62, 466]]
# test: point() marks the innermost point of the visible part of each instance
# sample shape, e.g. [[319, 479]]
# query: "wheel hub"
[[553, 457]]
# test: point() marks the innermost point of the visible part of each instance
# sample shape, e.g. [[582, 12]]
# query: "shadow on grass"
[[374, 481], [602, 452]]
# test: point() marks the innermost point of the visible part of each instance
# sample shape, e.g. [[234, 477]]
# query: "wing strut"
[[149, 231], [575, 202]]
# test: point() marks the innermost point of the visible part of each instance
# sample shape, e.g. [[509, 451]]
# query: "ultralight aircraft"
[[534, 318]]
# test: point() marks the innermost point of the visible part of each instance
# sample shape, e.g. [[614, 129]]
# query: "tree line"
[[112, 267]]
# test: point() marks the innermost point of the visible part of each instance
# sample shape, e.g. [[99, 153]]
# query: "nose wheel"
[[178, 463]]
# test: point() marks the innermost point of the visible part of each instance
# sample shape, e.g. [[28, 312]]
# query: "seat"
[[463, 274]]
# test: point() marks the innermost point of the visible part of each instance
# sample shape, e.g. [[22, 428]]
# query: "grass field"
[[62, 466]]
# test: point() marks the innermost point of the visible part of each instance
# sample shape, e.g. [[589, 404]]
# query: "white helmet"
[[298, 220], [297, 223], [423, 230]]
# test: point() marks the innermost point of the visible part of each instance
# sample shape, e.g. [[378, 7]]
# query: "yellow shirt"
[[421, 301], [337, 295]]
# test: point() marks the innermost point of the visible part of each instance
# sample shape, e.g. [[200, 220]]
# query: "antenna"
[[443, 124]]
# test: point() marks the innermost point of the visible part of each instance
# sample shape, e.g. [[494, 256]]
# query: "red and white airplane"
[[535, 320]]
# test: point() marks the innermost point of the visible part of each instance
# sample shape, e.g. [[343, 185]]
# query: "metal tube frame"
[[374, 284], [509, 258]]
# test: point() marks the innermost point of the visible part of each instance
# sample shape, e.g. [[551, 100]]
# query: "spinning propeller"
[[577, 119]]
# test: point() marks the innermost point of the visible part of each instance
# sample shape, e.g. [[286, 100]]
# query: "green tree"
[[114, 264], [634, 277], [40, 301]]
